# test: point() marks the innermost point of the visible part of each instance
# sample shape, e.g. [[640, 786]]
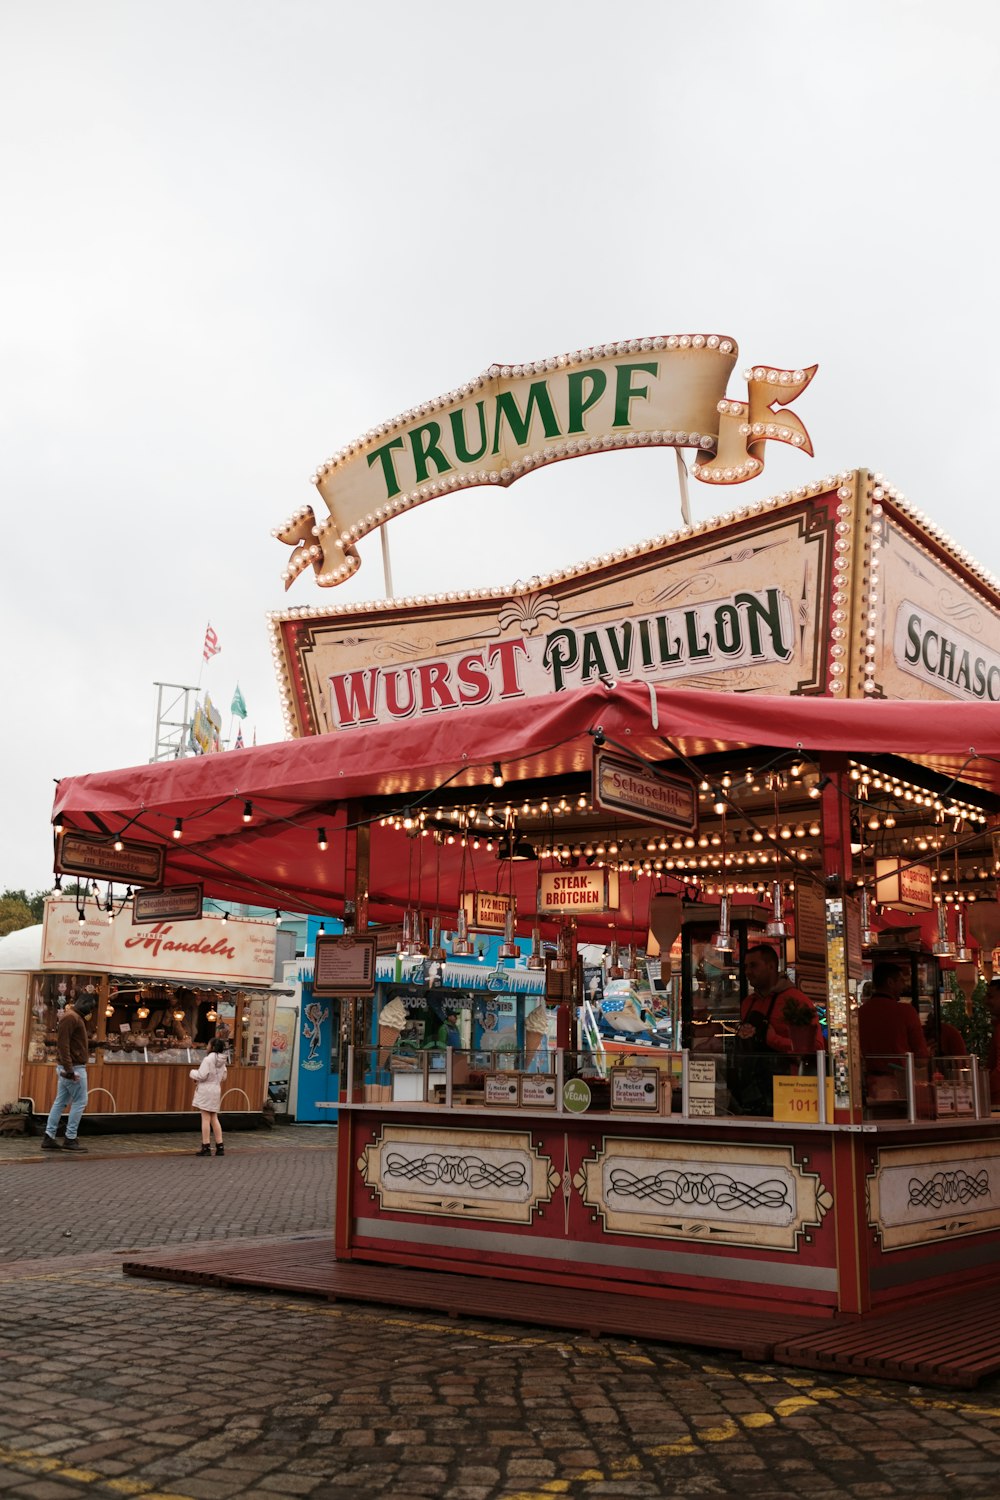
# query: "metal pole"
[[386, 565], [682, 480], [911, 1090]]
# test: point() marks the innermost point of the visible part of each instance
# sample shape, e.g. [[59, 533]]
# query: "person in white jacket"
[[208, 1096]]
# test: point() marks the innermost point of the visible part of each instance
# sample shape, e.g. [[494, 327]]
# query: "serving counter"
[[614, 1187]]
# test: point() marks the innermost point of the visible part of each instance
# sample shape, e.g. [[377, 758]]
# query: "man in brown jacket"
[[73, 1049]]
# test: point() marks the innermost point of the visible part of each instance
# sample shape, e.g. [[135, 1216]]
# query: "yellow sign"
[[797, 1100], [902, 886], [662, 392]]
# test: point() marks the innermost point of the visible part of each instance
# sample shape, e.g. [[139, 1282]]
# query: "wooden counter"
[[145, 1087], [823, 1218]]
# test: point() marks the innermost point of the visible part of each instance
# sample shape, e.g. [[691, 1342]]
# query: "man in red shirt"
[[763, 1007], [763, 1041], [886, 1027]]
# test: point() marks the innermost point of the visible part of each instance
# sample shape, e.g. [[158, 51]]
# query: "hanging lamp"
[[536, 959], [461, 946]]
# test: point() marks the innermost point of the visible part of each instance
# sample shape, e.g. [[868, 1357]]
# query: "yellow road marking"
[[42, 1463]]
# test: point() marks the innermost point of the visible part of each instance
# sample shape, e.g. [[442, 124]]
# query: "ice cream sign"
[[664, 391]]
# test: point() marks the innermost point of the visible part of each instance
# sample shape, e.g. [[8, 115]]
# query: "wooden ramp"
[[308, 1267], [951, 1341]]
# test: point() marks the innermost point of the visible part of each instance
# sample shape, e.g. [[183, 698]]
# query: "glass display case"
[[712, 978]]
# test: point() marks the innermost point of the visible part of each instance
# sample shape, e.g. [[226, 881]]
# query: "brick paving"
[[118, 1387]]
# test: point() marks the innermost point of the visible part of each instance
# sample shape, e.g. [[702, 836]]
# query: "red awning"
[[299, 785]]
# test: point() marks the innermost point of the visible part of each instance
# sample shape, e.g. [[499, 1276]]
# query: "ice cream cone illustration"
[[392, 1019], [536, 1026]]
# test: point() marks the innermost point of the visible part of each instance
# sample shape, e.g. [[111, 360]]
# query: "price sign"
[[501, 1089], [538, 1090], [797, 1100], [635, 1089]]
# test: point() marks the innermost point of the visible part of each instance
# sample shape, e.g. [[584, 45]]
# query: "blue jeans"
[[71, 1093]]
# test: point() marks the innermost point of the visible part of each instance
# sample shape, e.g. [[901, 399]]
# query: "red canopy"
[[297, 786]]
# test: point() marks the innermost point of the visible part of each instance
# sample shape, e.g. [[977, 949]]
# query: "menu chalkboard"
[[344, 965]]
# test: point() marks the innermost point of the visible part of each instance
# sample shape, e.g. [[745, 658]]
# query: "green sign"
[[576, 1096]]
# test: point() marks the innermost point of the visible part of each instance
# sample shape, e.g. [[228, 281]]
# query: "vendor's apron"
[[751, 1080]]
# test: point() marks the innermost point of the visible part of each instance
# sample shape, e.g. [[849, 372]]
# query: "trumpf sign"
[[663, 391]]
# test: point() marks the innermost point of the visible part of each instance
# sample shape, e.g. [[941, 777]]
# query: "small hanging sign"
[[574, 892], [638, 791], [486, 911], [95, 854]]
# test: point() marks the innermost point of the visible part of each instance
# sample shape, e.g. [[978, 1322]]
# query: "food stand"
[[164, 991], [714, 716]]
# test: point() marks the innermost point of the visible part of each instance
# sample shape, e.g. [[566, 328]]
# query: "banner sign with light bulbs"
[[238, 951], [743, 604], [641, 792], [934, 626], [666, 391]]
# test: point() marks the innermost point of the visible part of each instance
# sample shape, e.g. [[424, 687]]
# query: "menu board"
[[635, 1089], [538, 1090], [500, 1088], [810, 921], [344, 965]]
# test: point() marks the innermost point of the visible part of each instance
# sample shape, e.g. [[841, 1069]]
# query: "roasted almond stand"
[[164, 991]]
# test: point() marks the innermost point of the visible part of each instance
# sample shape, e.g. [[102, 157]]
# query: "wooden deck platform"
[[953, 1341]]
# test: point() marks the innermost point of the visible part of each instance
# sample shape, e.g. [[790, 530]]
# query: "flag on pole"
[[238, 706], [211, 646], [238, 745]]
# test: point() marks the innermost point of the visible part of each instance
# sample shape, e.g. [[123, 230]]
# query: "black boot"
[[205, 1151], [220, 1149]]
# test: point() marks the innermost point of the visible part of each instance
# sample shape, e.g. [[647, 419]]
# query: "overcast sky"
[[238, 234]]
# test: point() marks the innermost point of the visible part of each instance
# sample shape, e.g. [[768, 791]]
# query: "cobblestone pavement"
[[116, 1387]]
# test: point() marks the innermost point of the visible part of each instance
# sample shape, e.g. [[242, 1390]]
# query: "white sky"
[[237, 234]]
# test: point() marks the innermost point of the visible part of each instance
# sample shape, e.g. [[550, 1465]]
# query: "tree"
[[14, 913], [975, 1022], [35, 902]]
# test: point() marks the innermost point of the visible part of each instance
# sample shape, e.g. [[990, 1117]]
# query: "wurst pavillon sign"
[[663, 391], [744, 606]]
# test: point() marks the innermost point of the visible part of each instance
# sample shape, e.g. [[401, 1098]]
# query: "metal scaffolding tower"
[[175, 705]]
